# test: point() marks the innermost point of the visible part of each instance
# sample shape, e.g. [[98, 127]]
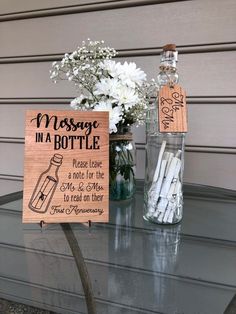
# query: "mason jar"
[[122, 164]]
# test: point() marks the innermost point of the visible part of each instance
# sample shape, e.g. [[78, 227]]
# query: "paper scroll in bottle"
[[172, 109], [66, 176]]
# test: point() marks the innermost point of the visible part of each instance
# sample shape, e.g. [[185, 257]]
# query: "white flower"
[[76, 71], [77, 101], [130, 74], [112, 67], [126, 96], [115, 114], [107, 87]]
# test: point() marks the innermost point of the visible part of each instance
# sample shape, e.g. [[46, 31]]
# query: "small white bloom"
[[118, 149], [112, 67], [130, 74], [77, 101], [107, 86], [126, 96], [129, 146], [115, 114], [53, 74], [75, 72]]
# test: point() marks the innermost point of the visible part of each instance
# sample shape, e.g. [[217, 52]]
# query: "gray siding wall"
[[35, 33]]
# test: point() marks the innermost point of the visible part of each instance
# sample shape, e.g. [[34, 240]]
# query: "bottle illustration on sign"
[[46, 186]]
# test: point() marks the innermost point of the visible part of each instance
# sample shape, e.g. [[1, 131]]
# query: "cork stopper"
[[57, 158], [169, 47]]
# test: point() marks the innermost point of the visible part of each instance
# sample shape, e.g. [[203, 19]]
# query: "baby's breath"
[[103, 84]]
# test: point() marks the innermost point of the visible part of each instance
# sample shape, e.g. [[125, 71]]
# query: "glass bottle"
[[122, 164], [163, 196], [46, 186]]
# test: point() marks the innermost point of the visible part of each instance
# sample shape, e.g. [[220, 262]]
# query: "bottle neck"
[[168, 74], [54, 167]]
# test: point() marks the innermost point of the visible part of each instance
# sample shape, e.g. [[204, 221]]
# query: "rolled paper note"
[[177, 169], [178, 154], [170, 175], [160, 217], [177, 188], [156, 214], [167, 212], [170, 156], [171, 216], [166, 155], [151, 204], [177, 209], [151, 199], [45, 189], [162, 204], [156, 192], [157, 170], [38, 201], [151, 208], [171, 191]]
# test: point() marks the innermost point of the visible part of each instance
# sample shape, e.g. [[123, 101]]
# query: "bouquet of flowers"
[[106, 85]]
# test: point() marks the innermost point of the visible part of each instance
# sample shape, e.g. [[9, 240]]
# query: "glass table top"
[[134, 266]]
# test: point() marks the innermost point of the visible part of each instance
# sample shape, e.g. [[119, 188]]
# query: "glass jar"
[[163, 196], [122, 165]]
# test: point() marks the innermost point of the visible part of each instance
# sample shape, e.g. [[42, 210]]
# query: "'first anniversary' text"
[[58, 209]]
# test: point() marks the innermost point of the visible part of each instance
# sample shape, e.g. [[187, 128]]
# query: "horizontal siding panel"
[[209, 125], [212, 124], [205, 123], [202, 168], [197, 165], [201, 75], [12, 160], [36, 82], [12, 118], [157, 24], [14, 6], [210, 169]]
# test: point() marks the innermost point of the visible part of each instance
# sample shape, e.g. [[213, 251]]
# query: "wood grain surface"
[[66, 166], [172, 109]]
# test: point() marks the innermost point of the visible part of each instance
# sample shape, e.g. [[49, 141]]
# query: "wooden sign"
[[66, 175], [172, 109]]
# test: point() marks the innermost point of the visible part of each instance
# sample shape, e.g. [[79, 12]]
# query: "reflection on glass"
[[122, 226], [164, 245]]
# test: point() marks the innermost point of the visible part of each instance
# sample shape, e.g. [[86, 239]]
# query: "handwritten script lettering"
[[171, 106], [68, 123], [59, 209]]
